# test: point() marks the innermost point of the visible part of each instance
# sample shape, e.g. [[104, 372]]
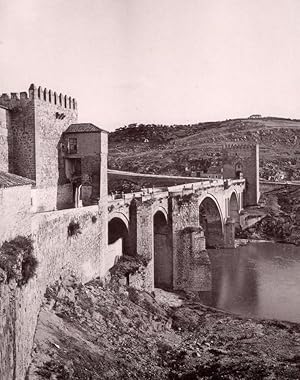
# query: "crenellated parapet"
[[240, 150], [47, 95], [52, 97], [14, 99]]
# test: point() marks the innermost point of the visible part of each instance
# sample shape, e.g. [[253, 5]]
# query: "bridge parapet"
[[205, 185], [165, 192], [236, 181], [141, 195]]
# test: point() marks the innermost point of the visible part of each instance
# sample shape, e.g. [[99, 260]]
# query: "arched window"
[[238, 169]]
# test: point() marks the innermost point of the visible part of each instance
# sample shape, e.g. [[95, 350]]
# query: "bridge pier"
[[193, 272], [229, 233], [144, 239]]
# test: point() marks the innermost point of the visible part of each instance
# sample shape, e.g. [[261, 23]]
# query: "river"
[[257, 280]]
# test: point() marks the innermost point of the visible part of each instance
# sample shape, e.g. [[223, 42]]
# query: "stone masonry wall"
[[185, 213], [52, 198], [7, 328], [114, 252], [103, 165], [90, 171], [4, 140], [21, 129], [49, 129], [144, 238], [15, 218], [58, 253], [141, 234], [193, 269]]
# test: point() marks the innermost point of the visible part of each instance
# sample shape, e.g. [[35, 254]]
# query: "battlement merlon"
[[34, 92]]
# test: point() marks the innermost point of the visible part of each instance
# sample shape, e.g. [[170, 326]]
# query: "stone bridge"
[[171, 226]]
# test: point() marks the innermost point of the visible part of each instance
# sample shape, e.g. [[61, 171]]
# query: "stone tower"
[[243, 160], [36, 122]]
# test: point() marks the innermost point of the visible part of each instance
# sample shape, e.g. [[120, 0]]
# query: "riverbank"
[[97, 331], [282, 218], [242, 242], [279, 228]]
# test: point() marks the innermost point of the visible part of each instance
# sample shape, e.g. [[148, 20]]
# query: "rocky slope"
[[180, 149], [97, 331]]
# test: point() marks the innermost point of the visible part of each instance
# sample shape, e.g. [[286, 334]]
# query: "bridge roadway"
[[156, 180], [266, 186], [162, 224], [123, 174]]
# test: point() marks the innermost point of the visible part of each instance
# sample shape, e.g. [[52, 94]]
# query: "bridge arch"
[[119, 215], [160, 208], [217, 204], [212, 221], [118, 235], [163, 258]]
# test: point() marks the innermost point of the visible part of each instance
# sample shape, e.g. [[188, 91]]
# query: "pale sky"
[[160, 61]]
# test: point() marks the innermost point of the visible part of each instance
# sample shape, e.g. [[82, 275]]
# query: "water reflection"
[[260, 279]]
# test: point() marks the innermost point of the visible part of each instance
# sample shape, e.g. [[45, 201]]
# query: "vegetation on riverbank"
[[282, 221]]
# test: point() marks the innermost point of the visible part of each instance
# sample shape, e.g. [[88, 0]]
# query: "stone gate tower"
[[243, 160], [32, 127]]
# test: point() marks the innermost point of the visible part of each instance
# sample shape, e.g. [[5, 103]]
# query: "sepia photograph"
[[149, 189]]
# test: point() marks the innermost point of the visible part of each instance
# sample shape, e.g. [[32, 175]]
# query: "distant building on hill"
[[255, 116]]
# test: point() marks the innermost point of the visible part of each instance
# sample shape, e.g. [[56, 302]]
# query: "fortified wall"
[[59, 253], [4, 139], [37, 200]]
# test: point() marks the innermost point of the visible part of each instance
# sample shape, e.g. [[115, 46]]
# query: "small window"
[[72, 145]]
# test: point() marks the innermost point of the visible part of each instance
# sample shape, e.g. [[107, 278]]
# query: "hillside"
[[91, 331], [180, 149]]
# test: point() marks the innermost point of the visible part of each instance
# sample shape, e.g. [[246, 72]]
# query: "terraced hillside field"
[[180, 149]]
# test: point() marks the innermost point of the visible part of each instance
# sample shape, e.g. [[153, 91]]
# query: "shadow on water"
[[258, 280]]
